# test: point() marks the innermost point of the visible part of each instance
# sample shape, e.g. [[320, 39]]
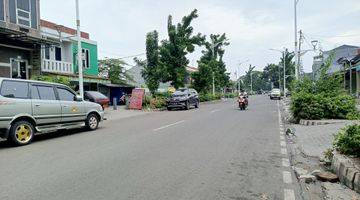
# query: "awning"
[[117, 86], [91, 80], [23, 36], [86, 78]]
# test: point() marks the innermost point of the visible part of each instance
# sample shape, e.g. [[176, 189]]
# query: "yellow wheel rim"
[[23, 133]]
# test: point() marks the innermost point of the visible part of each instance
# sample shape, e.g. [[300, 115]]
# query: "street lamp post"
[[213, 44], [240, 67], [79, 51], [296, 41], [284, 66]]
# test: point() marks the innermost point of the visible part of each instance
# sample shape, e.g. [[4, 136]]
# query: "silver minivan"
[[30, 107]]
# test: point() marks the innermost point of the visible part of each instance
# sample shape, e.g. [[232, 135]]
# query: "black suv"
[[183, 98]]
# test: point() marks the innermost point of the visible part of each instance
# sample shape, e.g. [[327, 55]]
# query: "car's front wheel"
[[187, 105], [92, 122], [197, 104], [21, 133]]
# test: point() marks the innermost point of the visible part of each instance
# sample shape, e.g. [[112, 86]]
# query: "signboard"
[[136, 99]]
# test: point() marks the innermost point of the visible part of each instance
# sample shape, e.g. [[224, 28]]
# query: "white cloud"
[[253, 27]]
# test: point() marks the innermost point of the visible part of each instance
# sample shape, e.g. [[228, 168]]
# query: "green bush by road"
[[347, 141], [321, 106], [323, 98]]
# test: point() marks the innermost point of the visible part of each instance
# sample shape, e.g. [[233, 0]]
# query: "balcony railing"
[[57, 66]]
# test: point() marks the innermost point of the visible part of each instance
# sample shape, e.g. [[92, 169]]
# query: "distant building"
[[139, 81], [341, 62], [344, 51]]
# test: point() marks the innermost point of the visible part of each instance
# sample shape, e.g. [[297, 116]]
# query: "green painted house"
[[61, 59]]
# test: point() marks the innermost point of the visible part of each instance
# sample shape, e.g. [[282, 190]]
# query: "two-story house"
[[61, 59], [20, 38]]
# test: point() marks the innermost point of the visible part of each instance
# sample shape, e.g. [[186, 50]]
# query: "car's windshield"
[[180, 92]]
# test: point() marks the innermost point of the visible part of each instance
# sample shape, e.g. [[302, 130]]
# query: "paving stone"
[[327, 176], [357, 182], [308, 178], [349, 178], [300, 171]]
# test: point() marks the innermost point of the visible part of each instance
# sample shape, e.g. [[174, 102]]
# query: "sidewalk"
[[307, 147], [122, 113], [314, 140]]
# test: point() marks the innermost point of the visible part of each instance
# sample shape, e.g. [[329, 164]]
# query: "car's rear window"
[[15, 89], [96, 95]]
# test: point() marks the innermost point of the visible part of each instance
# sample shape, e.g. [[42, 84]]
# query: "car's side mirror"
[[78, 98]]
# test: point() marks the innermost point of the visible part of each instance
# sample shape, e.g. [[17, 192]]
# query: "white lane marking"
[[287, 177], [283, 151], [214, 111], [283, 144], [289, 194], [285, 162], [282, 138], [169, 125]]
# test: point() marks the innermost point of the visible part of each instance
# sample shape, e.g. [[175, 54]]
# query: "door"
[[71, 110], [19, 69], [46, 107]]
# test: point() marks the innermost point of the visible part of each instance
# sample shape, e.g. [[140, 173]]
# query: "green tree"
[[211, 64], [271, 75], [173, 51], [116, 70], [151, 69], [289, 68]]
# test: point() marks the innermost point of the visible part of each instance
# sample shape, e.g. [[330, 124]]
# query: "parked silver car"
[[29, 107]]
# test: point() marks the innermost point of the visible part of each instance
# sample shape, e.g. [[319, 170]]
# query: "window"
[[58, 53], [34, 92], [15, 89], [86, 58], [23, 12], [46, 92], [65, 95], [47, 53], [2, 13]]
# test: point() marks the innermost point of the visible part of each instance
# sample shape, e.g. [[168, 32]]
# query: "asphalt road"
[[215, 152]]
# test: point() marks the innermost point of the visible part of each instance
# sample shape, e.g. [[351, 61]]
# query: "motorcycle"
[[242, 103]]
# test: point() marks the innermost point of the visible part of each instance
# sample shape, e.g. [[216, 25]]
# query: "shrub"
[[203, 97], [230, 95], [157, 102], [53, 79], [321, 106], [347, 141]]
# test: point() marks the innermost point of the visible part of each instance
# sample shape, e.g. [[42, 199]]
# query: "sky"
[[252, 26]]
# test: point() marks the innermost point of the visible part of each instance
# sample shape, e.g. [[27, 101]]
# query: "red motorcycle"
[[243, 103]]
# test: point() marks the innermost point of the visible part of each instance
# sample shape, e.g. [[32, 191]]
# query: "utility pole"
[[284, 63], [301, 37], [296, 40], [79, 51]]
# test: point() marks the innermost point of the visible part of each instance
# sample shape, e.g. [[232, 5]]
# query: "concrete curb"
[[320, 122], [348, 171]]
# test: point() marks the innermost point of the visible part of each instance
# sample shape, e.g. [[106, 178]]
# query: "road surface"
[[215, 152]]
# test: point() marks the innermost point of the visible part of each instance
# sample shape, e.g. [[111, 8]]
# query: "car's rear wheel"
[[169, 109], [21, 133], [92, 122]]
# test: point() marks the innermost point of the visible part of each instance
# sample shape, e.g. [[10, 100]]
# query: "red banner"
[[136, 99]]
